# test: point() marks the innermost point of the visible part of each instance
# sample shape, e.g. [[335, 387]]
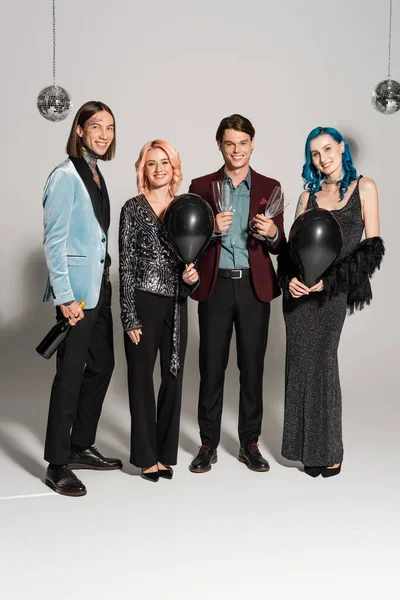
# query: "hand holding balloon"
[[223, 221], [318, 287], [190, 275], [298, 289]]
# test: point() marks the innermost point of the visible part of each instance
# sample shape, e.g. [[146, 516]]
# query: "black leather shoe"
[[204, 459], [251, 457], [329, 472], [91, 458], [152, 476], [166, 473], [63, 481], [313, 471]]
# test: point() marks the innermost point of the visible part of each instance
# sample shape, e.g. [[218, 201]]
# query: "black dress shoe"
[[63, 481], [251, 456], [331, 472], [152, 476], [313, 471], [205, 458], [166, 473], [91, 458]]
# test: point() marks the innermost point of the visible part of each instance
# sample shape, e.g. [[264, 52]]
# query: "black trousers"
[[155, 428], [85, 362], [233, 302]]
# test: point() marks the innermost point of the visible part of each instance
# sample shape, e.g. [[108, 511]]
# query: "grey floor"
[[230, 533]]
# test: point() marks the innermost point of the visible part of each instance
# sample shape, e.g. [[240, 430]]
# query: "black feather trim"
[[350, 275]]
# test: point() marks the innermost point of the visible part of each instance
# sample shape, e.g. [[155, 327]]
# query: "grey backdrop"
[[173, 70]]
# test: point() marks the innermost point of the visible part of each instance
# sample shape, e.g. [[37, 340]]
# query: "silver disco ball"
[[386, 97], [54, 103]]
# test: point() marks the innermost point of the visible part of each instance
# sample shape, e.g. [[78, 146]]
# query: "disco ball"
[[54, 103], [386, 97]]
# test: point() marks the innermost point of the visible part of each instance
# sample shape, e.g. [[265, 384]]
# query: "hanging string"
[[54, 42], [390, 38]]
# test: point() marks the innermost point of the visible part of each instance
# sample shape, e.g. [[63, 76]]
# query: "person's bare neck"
[[159, 199], [237, 175]]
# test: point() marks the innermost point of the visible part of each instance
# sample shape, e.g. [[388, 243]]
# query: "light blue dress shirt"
[[234, 253]]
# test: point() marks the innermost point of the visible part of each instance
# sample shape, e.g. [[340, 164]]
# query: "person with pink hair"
[[154, 286]]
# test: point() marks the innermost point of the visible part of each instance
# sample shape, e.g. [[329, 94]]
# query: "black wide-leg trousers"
[[155, 427], [85, 362], [233, 302]]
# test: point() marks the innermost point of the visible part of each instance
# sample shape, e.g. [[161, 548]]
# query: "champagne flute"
[[274, 206], [223, 198]]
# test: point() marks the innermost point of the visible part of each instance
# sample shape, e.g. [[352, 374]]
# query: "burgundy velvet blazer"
[[263, 274]]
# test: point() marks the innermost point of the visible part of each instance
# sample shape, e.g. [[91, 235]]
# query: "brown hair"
[[86, 111], [236, 122]]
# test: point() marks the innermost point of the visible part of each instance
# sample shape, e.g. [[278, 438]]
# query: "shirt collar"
[[247, 181]]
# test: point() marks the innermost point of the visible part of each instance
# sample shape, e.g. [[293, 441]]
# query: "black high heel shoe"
[[313, 471], [331, 472], [166, 473], [152, 476]]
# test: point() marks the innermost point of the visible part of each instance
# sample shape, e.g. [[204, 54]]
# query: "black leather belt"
[[233, 273]]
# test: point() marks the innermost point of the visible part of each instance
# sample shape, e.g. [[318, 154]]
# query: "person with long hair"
[[76, 222], [314, 316], [154, 286]]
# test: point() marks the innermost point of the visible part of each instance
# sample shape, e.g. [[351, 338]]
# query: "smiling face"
[[158, 170], [97, 133], [326, 155], [236, 148]]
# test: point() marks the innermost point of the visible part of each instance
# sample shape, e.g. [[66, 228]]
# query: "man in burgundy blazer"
[[237, 283]]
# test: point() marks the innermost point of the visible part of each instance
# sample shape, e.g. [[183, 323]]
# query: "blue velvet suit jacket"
[[75, 239]]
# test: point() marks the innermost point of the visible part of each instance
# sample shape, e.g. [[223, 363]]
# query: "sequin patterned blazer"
[[147, 259]]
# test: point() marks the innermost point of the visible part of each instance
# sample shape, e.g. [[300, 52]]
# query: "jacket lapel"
[[85, 174], [106, 202], [260, 190], [218, 175]]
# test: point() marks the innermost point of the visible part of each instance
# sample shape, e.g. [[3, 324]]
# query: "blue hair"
[[310, 174]]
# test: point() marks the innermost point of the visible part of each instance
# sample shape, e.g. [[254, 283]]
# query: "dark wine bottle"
[[56, 335]]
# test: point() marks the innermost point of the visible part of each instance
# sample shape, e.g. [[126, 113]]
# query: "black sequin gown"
[[313, 403]]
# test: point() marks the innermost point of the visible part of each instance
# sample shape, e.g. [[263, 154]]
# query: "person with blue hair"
[[314, 316]]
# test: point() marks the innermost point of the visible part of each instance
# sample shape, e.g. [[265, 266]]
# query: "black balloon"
[[190, 224], [315, 241]]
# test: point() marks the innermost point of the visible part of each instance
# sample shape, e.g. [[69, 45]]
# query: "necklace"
[[332, 181]]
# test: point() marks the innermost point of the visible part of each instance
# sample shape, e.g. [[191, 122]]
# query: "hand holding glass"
[[223, 198], [274, 207]]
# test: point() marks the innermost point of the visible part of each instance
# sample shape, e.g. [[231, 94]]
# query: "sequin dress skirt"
[[313, 402], [312, 431]]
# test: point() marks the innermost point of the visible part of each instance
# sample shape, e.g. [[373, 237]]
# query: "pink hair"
[[175, 161]]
